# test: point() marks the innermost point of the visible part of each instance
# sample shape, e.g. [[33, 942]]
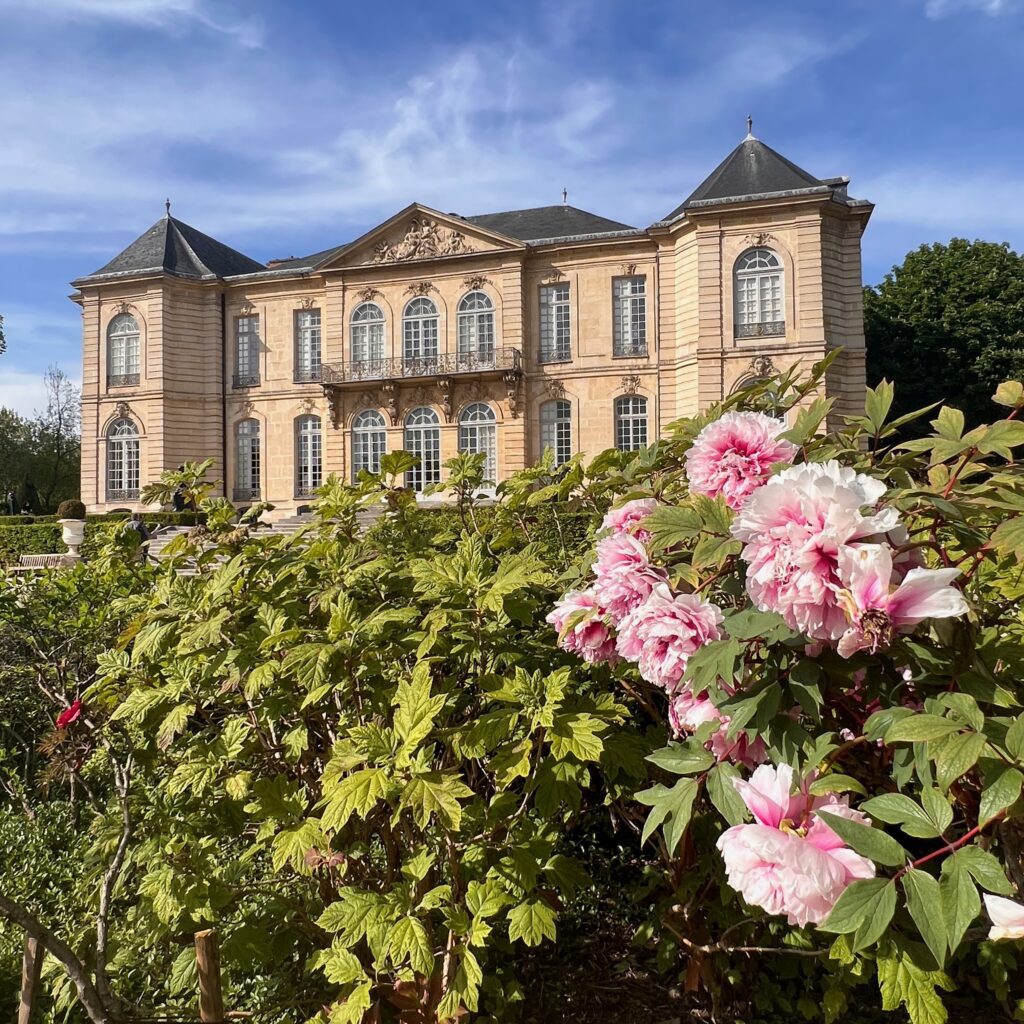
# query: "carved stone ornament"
[[554, 387], [444, 385], [247, 310], [759, 238], [476, 282], [628, 269], [367, 294], [552, 274], [420, 288], [248, 408], [307, 303], [122, 307], [423, 239], [308, 405], [333, 396], [631, 384], [390, 389], [762, 366], [421, 395], [122, 410], [513, 380]]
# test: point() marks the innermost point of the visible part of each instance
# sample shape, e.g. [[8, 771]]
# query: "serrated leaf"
[[578, 735], [436, 793], [531, 922], [357, 793], [901, 981], [408, 939], [670, 806], [723, 794]]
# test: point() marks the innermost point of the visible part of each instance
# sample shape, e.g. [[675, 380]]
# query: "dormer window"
[[757, 282]]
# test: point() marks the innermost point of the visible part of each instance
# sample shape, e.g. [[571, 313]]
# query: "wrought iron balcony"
[[307, 375], [123, 494], [122, 380], [765, 329], [306, 490], [630, 351], [245, 494], [245, 380], [498, 360]]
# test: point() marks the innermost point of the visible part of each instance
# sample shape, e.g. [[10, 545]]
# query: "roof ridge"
[[193, 255]]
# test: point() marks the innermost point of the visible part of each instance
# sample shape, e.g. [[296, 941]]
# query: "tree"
[[3, 340], [58, 439], [947, 325]]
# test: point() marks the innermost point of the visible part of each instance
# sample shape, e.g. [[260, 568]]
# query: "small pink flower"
[[589, 636], [733, 456], [878, 607], [69, 715], [625, 577], [662, 633], [686, 714], [627, 518], [1007, 918]]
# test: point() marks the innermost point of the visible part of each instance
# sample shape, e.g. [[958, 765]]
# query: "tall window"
[[555, 340], [556, 429], [369, 442], [423, 439], [419, 331], [307, 345], [122, 461], [478, 434], [247, 460], [630, 423], [308, 455], [247, 351], [630, 313], [476, 328], [758, 288], [122, 351], [367, 333]]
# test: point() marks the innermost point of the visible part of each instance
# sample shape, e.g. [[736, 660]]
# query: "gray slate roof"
[[547, 223], [174, 247]]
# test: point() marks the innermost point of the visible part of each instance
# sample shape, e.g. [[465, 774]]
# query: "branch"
[[123, 780]]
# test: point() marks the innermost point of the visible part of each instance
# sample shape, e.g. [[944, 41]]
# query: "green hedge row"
[[149, 518]]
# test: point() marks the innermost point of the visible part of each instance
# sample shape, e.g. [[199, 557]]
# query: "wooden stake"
[[211, 999], [31, 965]]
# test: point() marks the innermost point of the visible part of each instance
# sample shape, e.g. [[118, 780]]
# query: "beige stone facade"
[[285, 373]]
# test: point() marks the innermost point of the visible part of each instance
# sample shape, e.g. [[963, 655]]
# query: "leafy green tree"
[[947, 325]]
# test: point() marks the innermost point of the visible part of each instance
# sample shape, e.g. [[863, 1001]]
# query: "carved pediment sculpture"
[[758, 239], [475, 283], [420, 288], [631, 384], [554, 388], [423, 239], [367, 294], [762, 366], [122, 410]]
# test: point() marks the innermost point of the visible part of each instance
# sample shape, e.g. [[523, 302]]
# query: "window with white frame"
[[367, 333], [478, 434], [630, 423], [122, 351], [555, 330], [556, 429], [630, 314], [307, 345], [423, 439], [308, 455], [419, 332], [123, 451], [476, 327], [369, 442], [247, 351], [757, 282], [247, 460]]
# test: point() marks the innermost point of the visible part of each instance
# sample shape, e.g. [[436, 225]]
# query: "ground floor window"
[[369, 442], [556, 429], [123, 461], [247, 460], [308, 455], [423, 439], [630, 423], [478, 435]]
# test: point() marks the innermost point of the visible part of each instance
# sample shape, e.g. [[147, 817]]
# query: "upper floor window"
[[423, 439], [478, 435], [476, 327], [308, 455], [630, 423], [122, 351], [307, 345], [630, 315], [247, 351], [555, 332], [369, 442], [367, 333], [758, 288], [419, 330], [556, 429], [123, 461], [247, 460]]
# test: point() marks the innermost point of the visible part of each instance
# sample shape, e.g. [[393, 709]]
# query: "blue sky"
[[284, 128]]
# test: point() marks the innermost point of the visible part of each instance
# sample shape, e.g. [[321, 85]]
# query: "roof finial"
[[167, 205], [565, 197], [750, 127]]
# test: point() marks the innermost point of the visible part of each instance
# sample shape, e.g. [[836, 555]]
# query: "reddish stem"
[[949, 847]]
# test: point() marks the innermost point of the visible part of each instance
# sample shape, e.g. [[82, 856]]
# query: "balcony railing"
[[442, 365], [245, 494], [630, 351], [123, 494], [122, 380], [306, 490], [245, 380], [307, 375], [765, 329]]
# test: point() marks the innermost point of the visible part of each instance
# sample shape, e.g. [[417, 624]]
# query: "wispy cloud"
[[943, 8]]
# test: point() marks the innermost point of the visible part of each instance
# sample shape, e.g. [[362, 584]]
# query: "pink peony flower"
[[662, 633], [1007, 918], [589, 636], [627, 518], [789, 861], [69, 715], [733, 456], [686, 714], [878, 608], [794, 529], [625, 577]]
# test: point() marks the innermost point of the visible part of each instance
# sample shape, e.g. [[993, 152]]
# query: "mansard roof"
[[173, 247], [551, 224]]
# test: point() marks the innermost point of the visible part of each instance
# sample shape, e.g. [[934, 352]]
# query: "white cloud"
[[943, 8], [23, 391]]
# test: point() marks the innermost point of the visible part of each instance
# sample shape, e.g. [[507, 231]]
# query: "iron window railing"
[[422, 366], [122, 380], [124, 494], [245, 380], [764, 329], [245, 493], [308, 375]]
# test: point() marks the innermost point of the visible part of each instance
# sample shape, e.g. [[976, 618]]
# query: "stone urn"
[[71, 516]]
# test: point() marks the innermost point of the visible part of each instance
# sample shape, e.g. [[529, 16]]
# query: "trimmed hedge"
[[149, 518]]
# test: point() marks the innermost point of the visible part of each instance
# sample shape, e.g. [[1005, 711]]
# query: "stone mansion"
[[505, 333]]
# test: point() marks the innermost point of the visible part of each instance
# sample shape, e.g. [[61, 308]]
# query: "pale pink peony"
[[733, 456], [627, 518], [662, 633], [878, 607], [794, 529], [789, 861], [624, 576], [1006, 916], [589, 637], [686, 714]]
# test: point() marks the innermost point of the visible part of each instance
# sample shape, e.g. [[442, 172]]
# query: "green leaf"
[[949, 424], [956, 756], [711, 662], [682, 758], [723, 795], [960, 901], [1000, 794], [878, 403], [924, 901], [855, 904], [340, 965], [357, 793], [985, 870], [292, 844], [877, 919], [1001, 436], [578, 735], [532, 922], [920, 727], [1015, 738], [415, 709], [902, 981], [673, 805], [436, 793], [1010, 393], [869, 842], [408, 938], [1008, 538], [897, 809], [836, 782]]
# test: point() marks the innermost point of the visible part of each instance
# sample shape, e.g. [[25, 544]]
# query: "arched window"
[[478, 434], [369, 442], [419, 333], [308, 456], [423, 439], [476, 330], [556, 429], [630, 423], [122, 351], [122, 461], [367, 330], [247, 460], [758, 288]]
